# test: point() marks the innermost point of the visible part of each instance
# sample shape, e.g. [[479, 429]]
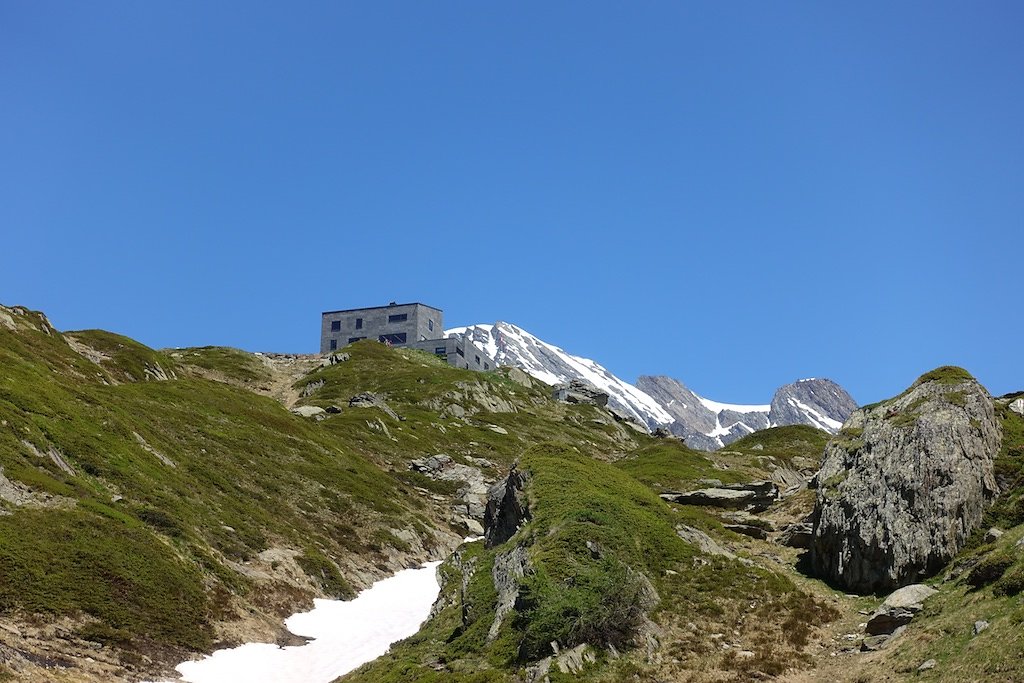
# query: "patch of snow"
[[718, 407], [823, 421], [346, 635]]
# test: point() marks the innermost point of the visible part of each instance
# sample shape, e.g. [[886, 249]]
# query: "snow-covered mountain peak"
[[663, 401], [508, 344]]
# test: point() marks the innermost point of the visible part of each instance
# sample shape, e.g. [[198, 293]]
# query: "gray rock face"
[[509, 569], [755, 496], [681, 403], [578, 391], [507, 508], [904, 484], [471, 498], [705, 425], [819, 403]]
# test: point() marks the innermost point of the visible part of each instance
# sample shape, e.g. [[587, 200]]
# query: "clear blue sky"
[[736, 194]]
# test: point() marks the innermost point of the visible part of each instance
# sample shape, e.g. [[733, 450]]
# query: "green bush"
[[990, 569], [1011, 583], [601, 604]]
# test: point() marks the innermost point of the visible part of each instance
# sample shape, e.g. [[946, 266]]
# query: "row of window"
[[336, 325], [397, 318]]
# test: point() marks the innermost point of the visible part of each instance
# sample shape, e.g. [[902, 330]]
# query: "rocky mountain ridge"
[[659, 401]]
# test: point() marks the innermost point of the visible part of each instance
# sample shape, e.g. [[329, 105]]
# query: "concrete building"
[[414, 325]]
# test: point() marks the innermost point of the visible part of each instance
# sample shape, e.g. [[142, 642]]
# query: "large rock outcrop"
[[904, 484], [507, 508]]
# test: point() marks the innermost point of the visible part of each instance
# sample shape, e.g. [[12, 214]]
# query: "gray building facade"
[[395, 324], [414, 326]]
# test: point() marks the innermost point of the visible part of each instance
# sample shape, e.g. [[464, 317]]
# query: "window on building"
[[487, 366], [392, 338], [477, 359], [335, 325], [430, 325], [398, 318], [458, 350], [355, 339], [334, 344], [359, 323], [441, 351]]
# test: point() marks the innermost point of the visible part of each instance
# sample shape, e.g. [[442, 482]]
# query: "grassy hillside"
[[156, 487], [157, 503]]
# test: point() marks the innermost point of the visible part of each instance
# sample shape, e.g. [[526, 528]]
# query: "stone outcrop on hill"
[[507, 508], [905, 483]]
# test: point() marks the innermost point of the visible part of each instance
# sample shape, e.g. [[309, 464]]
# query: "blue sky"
[[735, 194]]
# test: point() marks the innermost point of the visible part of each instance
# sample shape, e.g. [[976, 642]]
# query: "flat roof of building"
[[374, 308]]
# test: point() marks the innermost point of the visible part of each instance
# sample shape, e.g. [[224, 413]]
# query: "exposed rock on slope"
[[905, 483]]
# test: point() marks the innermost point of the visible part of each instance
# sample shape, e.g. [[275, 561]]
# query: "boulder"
[[578, 391], [797, 535], [754, 496], [905, 483], [993, 535], [980, 626], [308, 411], [898, 609], [1017, 406]]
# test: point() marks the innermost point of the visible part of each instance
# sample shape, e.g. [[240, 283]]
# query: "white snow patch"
[[718, 407], [823, 421], [346, 635]]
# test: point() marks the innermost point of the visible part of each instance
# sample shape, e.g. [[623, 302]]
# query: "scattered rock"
[[797, 535], [578, 391], [149, 449], [311, 388], [333, 410], [980, 626], [497, 430], [308, 411], [898, 609], [872, 643], [755, 496], [572, 661], [1017, 406], [471, 497], [928, 665], [905, 483], [473, 526], [661, 433], [700, 539], [369, 400], [993, 535]]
